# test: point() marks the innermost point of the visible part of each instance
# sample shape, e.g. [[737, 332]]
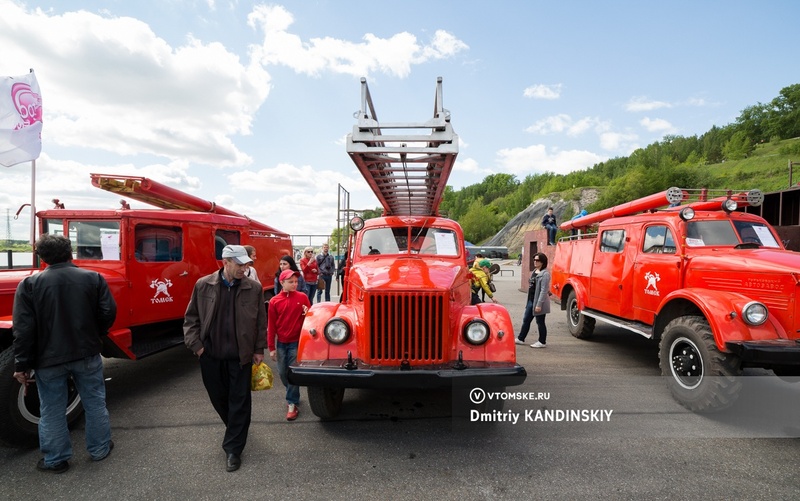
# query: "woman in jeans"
[[538, 304]]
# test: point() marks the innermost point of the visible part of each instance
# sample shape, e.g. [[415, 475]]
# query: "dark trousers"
[[228, 386]]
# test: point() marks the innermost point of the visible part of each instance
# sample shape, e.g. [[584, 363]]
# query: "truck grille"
[[406, 326]]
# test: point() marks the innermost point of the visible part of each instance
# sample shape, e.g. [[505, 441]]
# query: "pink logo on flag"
[[27, 103]]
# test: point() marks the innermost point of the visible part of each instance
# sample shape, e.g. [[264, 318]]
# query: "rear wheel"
[[579, 325], [700, 377], [325, 402], [19, 412]]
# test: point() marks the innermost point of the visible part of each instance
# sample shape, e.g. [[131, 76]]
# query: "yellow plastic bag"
[[262, 377]]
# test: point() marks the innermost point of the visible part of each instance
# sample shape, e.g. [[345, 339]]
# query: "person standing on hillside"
[[59, 317], [549, 223], [538, 304]]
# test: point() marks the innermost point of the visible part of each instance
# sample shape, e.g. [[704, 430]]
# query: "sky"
[[247, 104]]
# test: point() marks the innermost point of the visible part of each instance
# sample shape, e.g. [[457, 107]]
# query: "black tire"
[[579, 325], [325, 402], [700, 377], [19, 413]]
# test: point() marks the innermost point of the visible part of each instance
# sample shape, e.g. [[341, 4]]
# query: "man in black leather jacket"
[[59, 317]]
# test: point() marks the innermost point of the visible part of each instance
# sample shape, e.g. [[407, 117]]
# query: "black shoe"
[[56, 468], [233, 463], [110, 448]]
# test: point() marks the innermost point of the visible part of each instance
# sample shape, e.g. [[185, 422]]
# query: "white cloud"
[[394, 55], [542, 91], [658, 125], [110, 83], [642, 103], [537, 159], [564, 123], [617, 142]]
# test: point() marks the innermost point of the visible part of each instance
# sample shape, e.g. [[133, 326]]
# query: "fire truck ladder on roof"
[[162, 196], [407, 171]]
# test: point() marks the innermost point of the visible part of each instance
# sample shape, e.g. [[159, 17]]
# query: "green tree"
[[738, 146]]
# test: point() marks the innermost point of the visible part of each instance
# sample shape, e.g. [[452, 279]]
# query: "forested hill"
[[752, 152]]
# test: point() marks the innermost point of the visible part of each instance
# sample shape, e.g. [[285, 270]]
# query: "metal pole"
[[33, 211]]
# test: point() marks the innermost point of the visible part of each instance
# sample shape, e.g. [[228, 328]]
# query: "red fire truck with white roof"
[[405, 319], [715, 286], [151, 259]]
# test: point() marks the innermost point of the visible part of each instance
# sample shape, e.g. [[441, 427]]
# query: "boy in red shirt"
[[286, 313]]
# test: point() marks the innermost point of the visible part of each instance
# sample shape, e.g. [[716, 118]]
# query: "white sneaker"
[[518, 340], [537, 344]]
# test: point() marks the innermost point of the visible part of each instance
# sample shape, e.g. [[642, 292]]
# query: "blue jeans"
[[551, 233], [51, 382], [287, 355], [328, 279], [311, 291], [527, 318]]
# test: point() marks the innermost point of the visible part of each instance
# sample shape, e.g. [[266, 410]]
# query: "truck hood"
[[763, 260], [407, 273]]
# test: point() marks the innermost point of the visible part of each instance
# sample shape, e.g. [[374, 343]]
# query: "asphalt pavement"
[[594, 420]]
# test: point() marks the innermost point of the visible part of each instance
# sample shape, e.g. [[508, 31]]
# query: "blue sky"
[[247, 103]]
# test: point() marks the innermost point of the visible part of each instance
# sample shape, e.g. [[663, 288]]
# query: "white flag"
[[20, 119]]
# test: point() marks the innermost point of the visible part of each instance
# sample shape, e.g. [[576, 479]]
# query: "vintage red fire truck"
[[151, 259], [405, 319], [715, 286]]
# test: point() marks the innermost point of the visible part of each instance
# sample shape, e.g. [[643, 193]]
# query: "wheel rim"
[[28, 405], [686, 363], [574, 313]]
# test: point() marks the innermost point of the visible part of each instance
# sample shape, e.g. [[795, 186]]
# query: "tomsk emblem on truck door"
[[162, 289], [651, 288]]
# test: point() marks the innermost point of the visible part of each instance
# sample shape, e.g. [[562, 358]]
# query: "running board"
[[637, 327]]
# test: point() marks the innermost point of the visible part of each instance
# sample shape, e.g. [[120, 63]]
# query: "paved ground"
[[393, 445]]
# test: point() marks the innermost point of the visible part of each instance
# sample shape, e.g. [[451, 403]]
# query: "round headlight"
[[687, 213], [357, 223], [337, 331], [729, 205], [476, 332], [755, 313]]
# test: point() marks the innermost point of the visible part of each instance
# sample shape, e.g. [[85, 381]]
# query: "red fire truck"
[[405, 319], [151, 259], [714, 286]]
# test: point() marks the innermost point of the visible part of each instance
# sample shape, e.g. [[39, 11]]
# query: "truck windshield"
[[704, 233], [409, 240]]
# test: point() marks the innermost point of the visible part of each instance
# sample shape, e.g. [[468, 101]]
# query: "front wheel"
[[325, 402], [579, 325], [19, 410], [700, 377]]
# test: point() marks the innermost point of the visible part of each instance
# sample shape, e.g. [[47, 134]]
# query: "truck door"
[[656, 272], [158, 272], [608, 288]]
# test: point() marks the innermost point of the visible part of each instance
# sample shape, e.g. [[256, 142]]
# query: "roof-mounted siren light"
[[755, 198], [674, 195]]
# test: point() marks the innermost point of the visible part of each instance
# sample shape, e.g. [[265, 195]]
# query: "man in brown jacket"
[[225, 326]]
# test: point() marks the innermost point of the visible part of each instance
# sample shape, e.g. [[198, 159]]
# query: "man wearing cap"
[[225, 326], [287, 310]]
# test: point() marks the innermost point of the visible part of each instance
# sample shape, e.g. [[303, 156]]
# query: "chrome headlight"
[[755, 313], [357, 223], [476, 332], [729, 205], [337, 331], [687, 213]]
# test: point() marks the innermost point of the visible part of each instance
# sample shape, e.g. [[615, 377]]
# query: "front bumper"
[[783, 352], [332, 373]]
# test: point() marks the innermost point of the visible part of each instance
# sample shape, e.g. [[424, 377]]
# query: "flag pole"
[[33, 206]]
